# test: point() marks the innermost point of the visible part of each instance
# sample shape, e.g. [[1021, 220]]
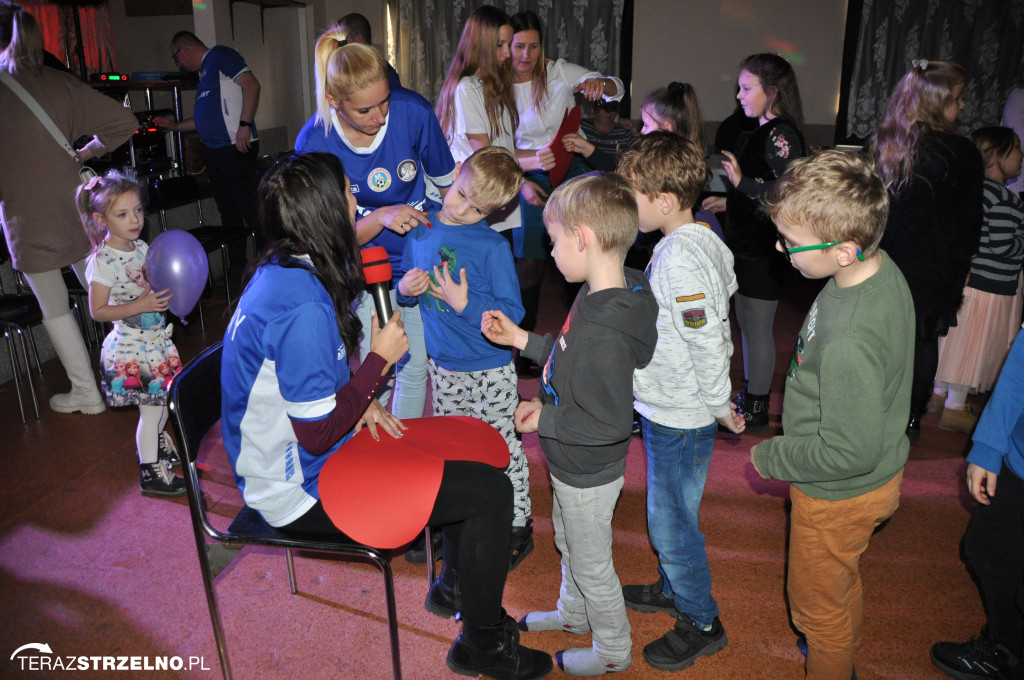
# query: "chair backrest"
[[194, 402], [171, 192]]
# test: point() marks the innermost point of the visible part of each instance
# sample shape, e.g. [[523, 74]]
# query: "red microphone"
[[377, 274]]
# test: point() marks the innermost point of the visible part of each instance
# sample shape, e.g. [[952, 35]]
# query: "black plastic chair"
[[172, 192], [195, 402], [19, 313]]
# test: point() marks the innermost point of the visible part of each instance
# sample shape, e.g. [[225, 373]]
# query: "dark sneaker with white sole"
[[677, 649], [155, 479], [980, 658]]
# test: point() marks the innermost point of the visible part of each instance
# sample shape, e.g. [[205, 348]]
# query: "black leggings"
[[474, 509]]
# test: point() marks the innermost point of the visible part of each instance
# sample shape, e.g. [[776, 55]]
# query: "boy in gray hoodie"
[[584, 413]]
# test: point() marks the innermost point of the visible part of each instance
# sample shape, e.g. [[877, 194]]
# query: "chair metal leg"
[[389, 595], [227, 282], [35, 351], [28, 372], [15, 371], [211, 602], [290, 558], [431, 561]]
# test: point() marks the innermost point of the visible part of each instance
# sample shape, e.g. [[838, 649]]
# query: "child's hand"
[[981, 483], [389, 342], [533, 194], [574, 143], [734, 422], [500, 330], [527, 415], [150, 301], [455, 293], [752, 450], [732, 168], [414, 283]]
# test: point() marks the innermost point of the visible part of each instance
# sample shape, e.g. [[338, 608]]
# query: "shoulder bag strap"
[[34, 106]]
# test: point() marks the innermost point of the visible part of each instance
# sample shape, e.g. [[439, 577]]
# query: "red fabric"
[[570, 124], [58, 27], [381, 492]]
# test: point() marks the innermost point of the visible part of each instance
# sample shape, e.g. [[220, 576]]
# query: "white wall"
[[703, 41]]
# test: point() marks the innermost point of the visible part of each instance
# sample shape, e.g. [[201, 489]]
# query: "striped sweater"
[[996, 266]]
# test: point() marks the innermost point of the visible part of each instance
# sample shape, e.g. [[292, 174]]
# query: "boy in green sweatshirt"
[[847, 397]]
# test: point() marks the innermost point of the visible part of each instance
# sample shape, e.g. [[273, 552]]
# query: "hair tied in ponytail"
[[920, 63]]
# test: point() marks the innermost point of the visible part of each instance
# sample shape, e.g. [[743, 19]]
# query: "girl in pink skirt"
[[971, 355]]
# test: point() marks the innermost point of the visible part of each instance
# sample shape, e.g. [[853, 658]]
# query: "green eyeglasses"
[[787, 251]]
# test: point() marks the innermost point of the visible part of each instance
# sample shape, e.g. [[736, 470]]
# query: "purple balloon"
[[177, 261]]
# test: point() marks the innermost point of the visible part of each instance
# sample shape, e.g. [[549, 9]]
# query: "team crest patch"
[[690, 298], [379, 179], [695, 318], [407, 170]]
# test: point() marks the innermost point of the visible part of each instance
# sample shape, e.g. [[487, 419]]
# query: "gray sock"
[[535, 621], [584, 662]]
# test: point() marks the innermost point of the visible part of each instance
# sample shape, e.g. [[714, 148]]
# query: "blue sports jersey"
[[219, 98], [453, 339], [393, 170], [283, 359]]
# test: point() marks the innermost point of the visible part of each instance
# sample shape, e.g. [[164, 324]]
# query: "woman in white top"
[[476, 107], [544, 90]]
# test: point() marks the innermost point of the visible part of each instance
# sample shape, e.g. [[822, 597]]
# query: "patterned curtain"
[[425, 34], [60, 39], [986, 37]]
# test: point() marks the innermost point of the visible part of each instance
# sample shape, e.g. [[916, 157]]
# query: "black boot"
[[756, 412], [495, 651], [445, 598], [917, 409]]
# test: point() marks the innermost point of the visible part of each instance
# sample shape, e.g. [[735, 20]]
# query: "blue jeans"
[[677, 468]]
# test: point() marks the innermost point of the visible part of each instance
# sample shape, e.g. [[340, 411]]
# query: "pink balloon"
[[177, 261]]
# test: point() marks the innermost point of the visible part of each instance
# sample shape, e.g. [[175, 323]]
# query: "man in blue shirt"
[[226, 99]]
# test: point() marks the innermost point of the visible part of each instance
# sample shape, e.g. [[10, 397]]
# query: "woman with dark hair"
[[39, 179], [290, 402], [935, 177], [768, 93]]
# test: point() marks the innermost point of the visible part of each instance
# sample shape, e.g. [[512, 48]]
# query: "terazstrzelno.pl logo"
[[39, 657]]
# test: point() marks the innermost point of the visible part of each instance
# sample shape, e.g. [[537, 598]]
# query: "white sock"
[[956, 398], [584, 662], [537, 621]]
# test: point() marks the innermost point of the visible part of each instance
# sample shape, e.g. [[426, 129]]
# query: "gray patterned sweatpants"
[[491, 395]]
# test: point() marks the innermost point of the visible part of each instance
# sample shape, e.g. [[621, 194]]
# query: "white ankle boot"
[[67, 340]]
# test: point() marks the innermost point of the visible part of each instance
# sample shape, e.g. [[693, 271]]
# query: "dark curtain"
[[986, 37], [60, 38]]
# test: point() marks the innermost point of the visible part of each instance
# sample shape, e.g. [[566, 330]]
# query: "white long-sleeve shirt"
[[538, 128], [686, 385]]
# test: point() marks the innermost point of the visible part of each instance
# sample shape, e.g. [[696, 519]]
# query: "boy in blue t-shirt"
[[454, 270]]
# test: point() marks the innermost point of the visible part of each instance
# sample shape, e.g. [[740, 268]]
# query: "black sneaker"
[[649, 598], [980, 658], [155, 479], [168, 453], [681, 646], [522, 545], [417, 552]]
